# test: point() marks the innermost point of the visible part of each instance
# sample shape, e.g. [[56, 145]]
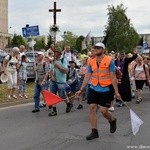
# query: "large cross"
[[54, 12]]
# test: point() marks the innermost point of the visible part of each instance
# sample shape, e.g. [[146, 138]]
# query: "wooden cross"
[[54, 12]]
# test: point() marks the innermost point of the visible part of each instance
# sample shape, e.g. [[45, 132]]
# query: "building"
[[4, 24]]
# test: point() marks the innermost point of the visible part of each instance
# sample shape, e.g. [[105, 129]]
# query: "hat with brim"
[[58, 50], [4, 78]]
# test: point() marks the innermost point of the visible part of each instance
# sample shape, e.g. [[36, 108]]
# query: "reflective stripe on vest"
[[101, 74]]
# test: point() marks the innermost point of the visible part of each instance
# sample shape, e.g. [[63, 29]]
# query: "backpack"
[[118, 73], [74, 71], [10, 57]]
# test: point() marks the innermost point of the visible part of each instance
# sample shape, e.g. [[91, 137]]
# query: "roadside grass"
[[4, 92]]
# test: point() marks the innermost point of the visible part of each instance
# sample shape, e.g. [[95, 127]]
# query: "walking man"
[[101, 71], [42, 72], [58, 80]]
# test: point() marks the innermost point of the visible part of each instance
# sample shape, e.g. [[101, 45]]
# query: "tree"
[[121, 33], [17, 40], [40, 44], [49, 41], [79, 43], [70, 39]]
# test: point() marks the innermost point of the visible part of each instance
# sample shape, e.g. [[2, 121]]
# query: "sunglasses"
[[97, 47]]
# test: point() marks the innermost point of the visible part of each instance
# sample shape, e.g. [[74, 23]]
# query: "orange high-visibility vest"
[[101, 73]]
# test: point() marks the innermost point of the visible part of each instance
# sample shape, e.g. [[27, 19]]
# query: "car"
[[2, 56], [31, 56]]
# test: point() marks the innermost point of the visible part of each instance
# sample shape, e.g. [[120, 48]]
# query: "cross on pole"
[[54, 12]]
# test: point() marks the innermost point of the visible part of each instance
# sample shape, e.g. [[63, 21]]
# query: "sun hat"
[[59, 50], [4, 78]]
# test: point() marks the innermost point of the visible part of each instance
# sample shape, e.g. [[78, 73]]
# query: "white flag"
[[84, 45], [136, 122], [88, 38]]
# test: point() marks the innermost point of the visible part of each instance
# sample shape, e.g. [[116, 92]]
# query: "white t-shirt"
[[11, 65]]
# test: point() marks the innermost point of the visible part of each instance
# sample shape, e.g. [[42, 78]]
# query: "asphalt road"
[[22, 130]]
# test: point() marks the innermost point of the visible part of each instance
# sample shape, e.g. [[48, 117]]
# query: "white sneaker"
[[111, 109], [9, 97], [14, 96]]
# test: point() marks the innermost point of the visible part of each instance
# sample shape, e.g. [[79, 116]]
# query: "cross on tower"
[[54, 12]]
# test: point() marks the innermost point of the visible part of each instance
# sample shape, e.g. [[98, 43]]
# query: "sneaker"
[[53, 113], [14, 96], [94, 134], [42, 105], [35, 110], [113, 125], [133, 95], [120, 104], [9, 97], [111, 109], [80, 106], [68, 108], [139, 100]]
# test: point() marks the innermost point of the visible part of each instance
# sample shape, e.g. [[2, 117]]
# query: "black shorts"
[[139, 84], [102, 98]]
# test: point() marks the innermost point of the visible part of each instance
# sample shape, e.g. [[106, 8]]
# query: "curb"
[[18, 102]]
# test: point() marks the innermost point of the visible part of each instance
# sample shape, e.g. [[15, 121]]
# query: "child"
[[22, 77]]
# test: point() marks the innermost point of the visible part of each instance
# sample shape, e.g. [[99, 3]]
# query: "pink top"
[[139, 73]]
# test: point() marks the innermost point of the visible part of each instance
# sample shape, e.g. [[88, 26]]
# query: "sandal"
[[139, 100], [20, 96], [25, 96]]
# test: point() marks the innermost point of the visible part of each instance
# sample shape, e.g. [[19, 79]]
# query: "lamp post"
[[65, 38]]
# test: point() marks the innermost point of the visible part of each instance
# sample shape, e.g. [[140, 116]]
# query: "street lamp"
[[65, 38]]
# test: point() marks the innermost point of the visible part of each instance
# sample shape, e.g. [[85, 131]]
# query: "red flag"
[[50, 98]]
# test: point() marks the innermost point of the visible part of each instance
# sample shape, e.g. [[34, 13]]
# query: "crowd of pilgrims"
[[68, 69]]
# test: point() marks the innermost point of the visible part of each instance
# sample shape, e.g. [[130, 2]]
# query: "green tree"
[[49, 42], [17, 40], [79, 43], [40, 44], [70, 39], [121, 33]]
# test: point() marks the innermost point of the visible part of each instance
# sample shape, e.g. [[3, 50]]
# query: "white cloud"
[[78, 16]]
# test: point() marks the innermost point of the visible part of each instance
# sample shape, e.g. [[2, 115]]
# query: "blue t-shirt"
[[98, 87]]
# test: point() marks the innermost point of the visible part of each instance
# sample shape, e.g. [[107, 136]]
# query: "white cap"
[[40, 53], [112, 52], [4, 78], [100, 45]]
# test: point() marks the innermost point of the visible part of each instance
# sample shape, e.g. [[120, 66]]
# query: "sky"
[[78, 16]]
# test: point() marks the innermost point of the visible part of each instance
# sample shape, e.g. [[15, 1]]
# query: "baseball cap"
[[99, 45], [40, 53]]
